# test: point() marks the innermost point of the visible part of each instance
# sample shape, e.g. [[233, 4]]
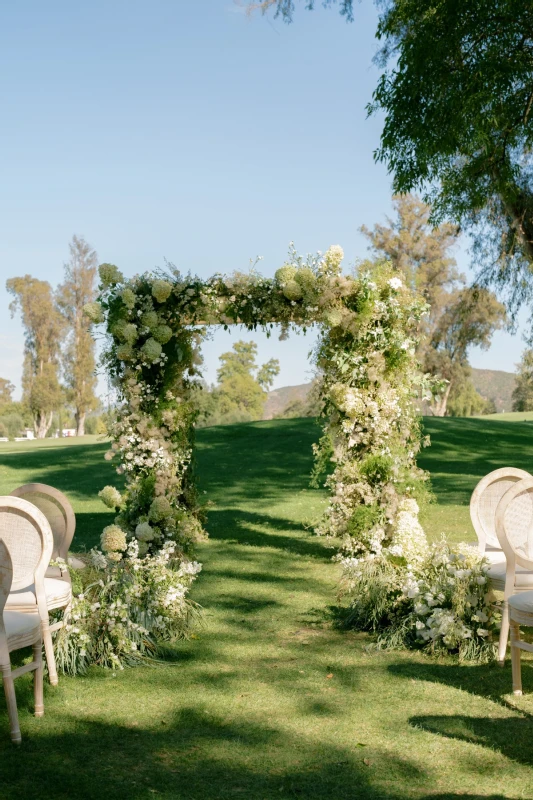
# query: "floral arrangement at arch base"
[[436, 598], [136, 591]]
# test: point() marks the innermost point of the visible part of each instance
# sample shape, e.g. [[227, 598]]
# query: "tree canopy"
[[460, 317], [6, 391], [523, 391], [457, 98], [241, 393]]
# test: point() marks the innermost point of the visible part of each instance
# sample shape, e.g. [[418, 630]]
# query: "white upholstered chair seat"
[[497, 572], [18, 624], [522, 602], [58, 594]]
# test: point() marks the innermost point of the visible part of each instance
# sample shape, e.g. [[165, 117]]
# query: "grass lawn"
[[462, 451], [269, 701]]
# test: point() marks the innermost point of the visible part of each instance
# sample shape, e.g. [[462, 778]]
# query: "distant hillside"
[[494, 384], [280, 398]]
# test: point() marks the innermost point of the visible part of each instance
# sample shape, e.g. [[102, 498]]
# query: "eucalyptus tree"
[[78, 353], [43, 327]]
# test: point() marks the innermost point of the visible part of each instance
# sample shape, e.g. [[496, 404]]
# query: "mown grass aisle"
[[269, 701]]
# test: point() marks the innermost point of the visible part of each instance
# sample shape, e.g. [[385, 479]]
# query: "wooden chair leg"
[[38, 679], [11, 700], [515, 658], [504, 635], [50, 657]]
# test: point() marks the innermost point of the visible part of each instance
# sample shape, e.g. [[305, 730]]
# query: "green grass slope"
[[463, 450], [270, 701]]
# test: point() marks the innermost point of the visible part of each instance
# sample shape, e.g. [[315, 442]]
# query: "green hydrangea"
[[110, 496], [334, 317], [117, 328], [306, 278], [151, 350], [110, 275], [162, 334], [161, 290], [143, 548], [125, 352], [144, 532], [160, 509], [292, 290], [128, 297], [129, 333], [150, 319], [113, 539], [285, 274], [94, 312]]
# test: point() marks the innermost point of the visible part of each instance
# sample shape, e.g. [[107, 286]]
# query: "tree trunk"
[[42, 424], [441, 403], [80, 423]]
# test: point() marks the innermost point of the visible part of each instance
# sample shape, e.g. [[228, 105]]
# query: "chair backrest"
[[485, 499], [6, 574], [57, 510], [28, 537], [514, 524]]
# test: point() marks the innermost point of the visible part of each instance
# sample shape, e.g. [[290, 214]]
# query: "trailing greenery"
[[366, 357]]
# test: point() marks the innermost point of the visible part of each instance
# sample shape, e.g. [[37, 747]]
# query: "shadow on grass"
[[76, 469], [483, 680], [243, 527], [264, 458], [511, 736], [196, 755]]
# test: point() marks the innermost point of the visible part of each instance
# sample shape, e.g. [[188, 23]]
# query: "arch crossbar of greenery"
[[136, 591]]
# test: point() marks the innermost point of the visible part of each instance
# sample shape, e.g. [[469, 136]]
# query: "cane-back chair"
[[483, 504], [60, 515], [45, 594], [514, 528], [25, 540]]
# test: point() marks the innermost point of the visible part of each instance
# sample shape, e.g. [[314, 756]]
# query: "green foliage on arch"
[[368, 376]]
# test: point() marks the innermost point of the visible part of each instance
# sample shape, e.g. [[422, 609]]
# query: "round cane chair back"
[[57, 510], [6, 576], [28, 537], [485, 499], [514, 524]]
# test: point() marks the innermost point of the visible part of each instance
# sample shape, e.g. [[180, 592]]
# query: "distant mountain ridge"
[[492, 384], [278, 399], [497, 385]]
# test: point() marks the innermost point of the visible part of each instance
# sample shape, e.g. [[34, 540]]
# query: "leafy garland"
[[369, 376]]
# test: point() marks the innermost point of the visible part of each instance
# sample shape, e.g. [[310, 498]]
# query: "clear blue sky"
[[185, 131]]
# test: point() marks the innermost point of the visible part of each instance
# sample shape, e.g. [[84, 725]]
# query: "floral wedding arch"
[[368, 377]]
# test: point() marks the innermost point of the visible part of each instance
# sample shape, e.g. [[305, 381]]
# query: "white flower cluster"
[[409, 540], [136, 602], [452, 600]]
